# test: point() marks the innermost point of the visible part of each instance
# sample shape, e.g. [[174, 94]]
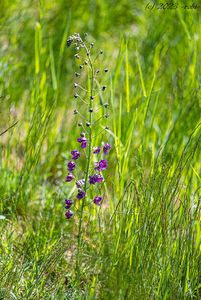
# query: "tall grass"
[[144, 242]]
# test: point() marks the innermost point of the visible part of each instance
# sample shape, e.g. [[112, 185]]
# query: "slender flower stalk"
[[92, 173]]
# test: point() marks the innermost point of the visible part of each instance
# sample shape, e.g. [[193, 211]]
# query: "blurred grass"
[[145, 242]]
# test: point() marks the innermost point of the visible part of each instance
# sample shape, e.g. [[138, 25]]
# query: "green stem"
[[87, 170]]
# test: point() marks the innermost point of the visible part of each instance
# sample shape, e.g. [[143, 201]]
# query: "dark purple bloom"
[[96, 150], [80, 183], [95, 178], [81, 194], [101, 165], [68, 203], [69, 214], [83, 141], [106, 148], [75, 154], [71, 166], [97, 200], [69, 177]]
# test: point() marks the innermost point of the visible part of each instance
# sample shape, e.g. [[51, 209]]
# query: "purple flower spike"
[[97, 200], [106, 148], [81, 194], [80, 183], [68, 203], [96, 150], [101, 165], [69, 214], [75, 154], [95, 178], [71, 166], [83, 141], [69, 177]]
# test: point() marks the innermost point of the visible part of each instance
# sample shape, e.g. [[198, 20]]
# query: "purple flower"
[[97, 200], [68, 203], [101, 165], [80, 183], [95, 178], [69, 177], [68, 214], [71, 166], [81, 194], [83, 141], [106, 148], [96, 150], [75, 154]]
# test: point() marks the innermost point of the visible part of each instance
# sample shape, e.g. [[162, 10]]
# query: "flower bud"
[[75, 85], [69, 41], [103, 87], [106, 105], [75, 111], [91, 110], [92, 97], [76, 96], [81, 66], [77, 56], [87, 124], [92, 45], [106, 70], [77, 74], [80, 124], [82, 134]]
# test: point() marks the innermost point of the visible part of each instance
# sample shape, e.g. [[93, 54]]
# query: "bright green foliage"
[[144, 242]]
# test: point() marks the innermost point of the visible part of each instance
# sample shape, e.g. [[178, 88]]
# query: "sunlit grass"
[[144, 242]]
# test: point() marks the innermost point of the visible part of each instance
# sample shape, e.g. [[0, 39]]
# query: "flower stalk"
[[93, 177], [88, 164]]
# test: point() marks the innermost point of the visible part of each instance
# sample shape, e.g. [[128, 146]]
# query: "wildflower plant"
[[88, 163]]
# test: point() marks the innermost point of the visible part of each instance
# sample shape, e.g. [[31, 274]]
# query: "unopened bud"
[[101, 51], [75, 111], [106, 70], [80, 124], [77, 56], [69, 41], [92, 45], [75, 85], [81, 66], [77, 74], [106, 105], [103, 88], [76, 96], [91, 110], [87, 124], [92, 97], [106, 127], [82, 134]]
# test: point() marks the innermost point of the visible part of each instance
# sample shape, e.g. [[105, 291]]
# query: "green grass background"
[[145, 241]]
